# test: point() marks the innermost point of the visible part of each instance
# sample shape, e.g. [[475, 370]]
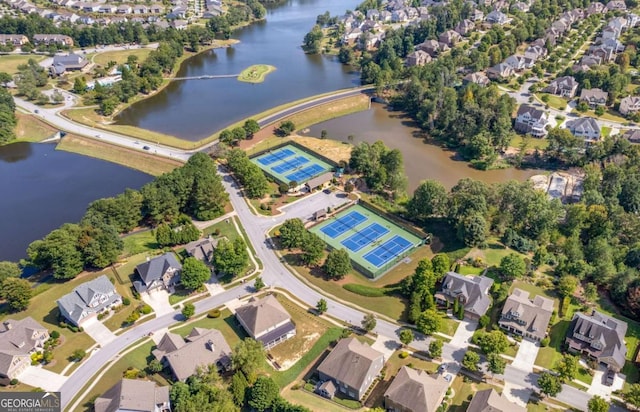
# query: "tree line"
[[7, 117]]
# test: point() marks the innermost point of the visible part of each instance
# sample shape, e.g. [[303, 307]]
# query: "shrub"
[[133, 317], [62, 324], [126, 301], [215, 313], [484, 321], [545, 342], [403, 355], [103, 315], [14, 382], [55, 334], [145, 309]]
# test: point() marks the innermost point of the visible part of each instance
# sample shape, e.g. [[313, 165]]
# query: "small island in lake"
[[256, 73]]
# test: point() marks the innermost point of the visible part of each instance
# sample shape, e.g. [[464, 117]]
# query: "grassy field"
[[10, 63], [226, 324], [313, 402], [532, 142], [395, 362], [140, 242], [32, 129], [463, 391], [120, 56], [553, 101], [134, 159], [256, 73]]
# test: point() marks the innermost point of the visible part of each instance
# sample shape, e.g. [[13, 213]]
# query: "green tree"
[[568, 368], [513, 266], [429, 322], [496, 363], [435, 348], [239, 133], [471, 361], [292, 233], [567, 285], [263, 393], [231, 258], [441, 265], [632, 395], [312, 249], [590, 292], [286, 128], [239, 386], [77, 355], [248, 356], [9, 270], [406, 336], [491, 342], [313, 40], [155, 366], [549, 384], [369, 322], [17, 292], [251, 127], [429, 199], [226, 136], [337, 264], [321, 306], [163, 235], [194, 273], [188, 310], [258, 284], [597, 404], [473, 231], [59, 252]]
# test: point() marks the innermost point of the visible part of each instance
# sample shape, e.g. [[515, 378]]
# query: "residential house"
[[449, 37], [202, 249], [525, 317], [616, 5], [477, 15], [606, 54], [489, 400], [350, 36], [88, 299], [399, 16], [91, 7], [430, 46], [585, 127], [140, 9], [108, 9], [134, 395], [69, 63], [373, 14], [632, 20], [633, 135], [599, 337], [415, 391], [266, 320], [418, 58], [519, 62], [534, 52], [86, 20], [497, 17], [594, 97], [477, 78], [13, 39], [18, 340], [500, 71], [565, 86], [124, 9], [352, 366], [629, 105], [179, 24], [472, 292], [385, 16], [162, 272], [610, 32], [530, 120], [521, 7], [464, 27], [201, 347], [595, 8], [48, 39]]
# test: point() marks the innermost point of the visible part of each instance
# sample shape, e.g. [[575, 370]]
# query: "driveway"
[[386, 345], [213, 285], [526, 356], [599, 388], [463, 334], [517, 394], [159, 301], [41, 378], [98, 332]]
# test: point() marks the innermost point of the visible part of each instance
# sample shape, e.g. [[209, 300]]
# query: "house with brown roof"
[[265, 320], [200, 348], [18, 340], [202, 249], [477, 78], [470, 291], [134, 395], [565, 86], [525, 317], [489, 400], [430, 46], [594, 97], [415, 391], [500, 71], [352, 366], [629, 105], [319, 182], [13, 39], [48, 39], [418, 58], [464, 27], [633, 135], [598, 337], [449, 37]]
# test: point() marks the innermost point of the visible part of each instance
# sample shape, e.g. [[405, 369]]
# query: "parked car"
[[442, 368], [610, 377], [146, 147], [448, 378]]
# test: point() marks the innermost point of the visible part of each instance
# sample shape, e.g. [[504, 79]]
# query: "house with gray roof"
[[18, 340], [633, 135], [478, 78], [162, 272], [415, 391], [584, 127], [352, 366], [88, 299], [565, 86], [629, 105], [489, 400], [418, 58], [525, 317], [530, 120], [497, 17], [70, 62], [594, 97], [202, 249], [598, 337], [201, 347], [470, 291], [500, 71], [134, 395], [265, 320]]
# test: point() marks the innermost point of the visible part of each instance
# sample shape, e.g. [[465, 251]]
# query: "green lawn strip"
[[311, 401], [226, 324], [116, 320], [223, 228], [553, 101], [532, 142], [286, 377], [577, 386], [606, 131], [448, 326], [549, 356], [469, 270], [139, 242], [10, 63], [630, 370], [369, 291], [583, 375], [463, 391], [395, 362]]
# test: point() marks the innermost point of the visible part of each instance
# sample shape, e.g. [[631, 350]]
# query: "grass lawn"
[[606, 131], [43, 308], [115, 321], [463, 391], [32, 129], [140, 242], [448, 326], [10, 63], [120, 56], [583, 375], [223, 228], [126, 270], [532, 142], [134, 159], [395, 363], [535, 291], [256, 73], [495, 252], [311, 401], [554, 101], [328, 111], [548, 357], [469, 270], [226, 324]]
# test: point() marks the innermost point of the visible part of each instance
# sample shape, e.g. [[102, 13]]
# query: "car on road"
[[442, 368], [146, 147], [98, 136]]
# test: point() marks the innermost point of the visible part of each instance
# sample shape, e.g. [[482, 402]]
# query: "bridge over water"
[[206, 77]]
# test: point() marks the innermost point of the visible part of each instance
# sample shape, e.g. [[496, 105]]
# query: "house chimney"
[[7, 325]]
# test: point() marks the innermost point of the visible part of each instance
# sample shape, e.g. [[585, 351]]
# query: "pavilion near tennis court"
[[374, 243]]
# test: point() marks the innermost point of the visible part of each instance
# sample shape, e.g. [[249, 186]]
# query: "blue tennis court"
[[365, 236], [290, 164], [306, 173], [276, 156], [342, 224], [388, 251]]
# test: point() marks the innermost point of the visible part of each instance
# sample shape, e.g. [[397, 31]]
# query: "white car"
[[448, 378]]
